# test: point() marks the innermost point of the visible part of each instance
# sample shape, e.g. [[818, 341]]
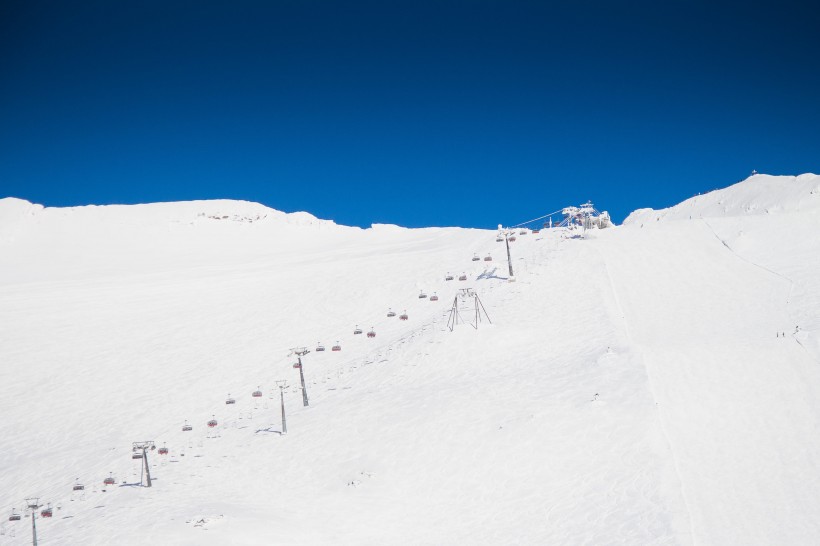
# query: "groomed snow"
[[631, 389]]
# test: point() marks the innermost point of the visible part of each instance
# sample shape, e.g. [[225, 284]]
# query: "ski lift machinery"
[[584, 216]]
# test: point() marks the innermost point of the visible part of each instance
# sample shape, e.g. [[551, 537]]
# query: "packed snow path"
[[630, 390]]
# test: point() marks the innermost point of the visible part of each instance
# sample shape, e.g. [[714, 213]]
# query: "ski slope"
[[632, 387]]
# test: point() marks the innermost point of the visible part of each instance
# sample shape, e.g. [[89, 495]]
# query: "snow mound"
[[14, 214], [12, 209], [758, 194], [112, 239]]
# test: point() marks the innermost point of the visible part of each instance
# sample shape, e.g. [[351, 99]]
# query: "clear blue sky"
[[418, 113]]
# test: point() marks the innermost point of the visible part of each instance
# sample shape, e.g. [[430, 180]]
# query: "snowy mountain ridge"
[[638, 386], [16, 214], [758, 194]]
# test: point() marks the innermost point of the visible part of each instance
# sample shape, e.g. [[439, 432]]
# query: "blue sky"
[[468, 113]]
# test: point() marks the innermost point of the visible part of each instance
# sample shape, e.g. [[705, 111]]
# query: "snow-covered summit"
[[72, 241], [14, 213], [758, 194], [638, 386]]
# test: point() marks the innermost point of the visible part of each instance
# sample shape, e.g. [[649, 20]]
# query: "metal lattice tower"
[[467, 294]]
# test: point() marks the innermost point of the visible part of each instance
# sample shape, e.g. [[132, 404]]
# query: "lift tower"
[[300, 352], [143, 447]]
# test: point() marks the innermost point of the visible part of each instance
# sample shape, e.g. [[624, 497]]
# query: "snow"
[[632, 387], [758, 194]]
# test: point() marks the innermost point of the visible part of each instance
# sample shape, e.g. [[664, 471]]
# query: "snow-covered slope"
[[759, 194], [632, 387]]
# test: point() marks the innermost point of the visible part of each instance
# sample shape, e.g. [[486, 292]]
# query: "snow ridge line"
[[661, 422]]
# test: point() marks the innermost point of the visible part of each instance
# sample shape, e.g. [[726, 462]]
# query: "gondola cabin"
[[297, 365], [462, 277], [511, 239], [536, 231], [448, 277], [320, 348], [356, 332], [522, 232], [14, 516], [488, 258], [257, 394], [46, 512], [163, 450], [433, 298], [136, 455], [109, 481], [78, 487], [371, 333], [391, 313], [475, 257], [336, 348], [499, 239], [422, 295], [403, 316], [230, 401], [187, 428], [212, 423]]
